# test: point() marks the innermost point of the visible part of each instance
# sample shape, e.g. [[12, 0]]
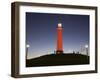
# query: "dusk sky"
[[41, 32]]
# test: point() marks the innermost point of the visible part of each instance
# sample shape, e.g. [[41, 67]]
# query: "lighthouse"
[[59, 49]]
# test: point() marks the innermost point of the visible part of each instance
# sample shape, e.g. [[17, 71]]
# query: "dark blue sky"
[[41, 32]]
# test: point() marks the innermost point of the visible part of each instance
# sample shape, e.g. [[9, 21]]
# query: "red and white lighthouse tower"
[[59, 49]]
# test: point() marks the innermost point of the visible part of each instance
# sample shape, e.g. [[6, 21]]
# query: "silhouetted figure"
[[54, 52], [78, 52], [73, 52]]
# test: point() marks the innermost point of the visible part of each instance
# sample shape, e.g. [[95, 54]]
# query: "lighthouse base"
[[59, 52]]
